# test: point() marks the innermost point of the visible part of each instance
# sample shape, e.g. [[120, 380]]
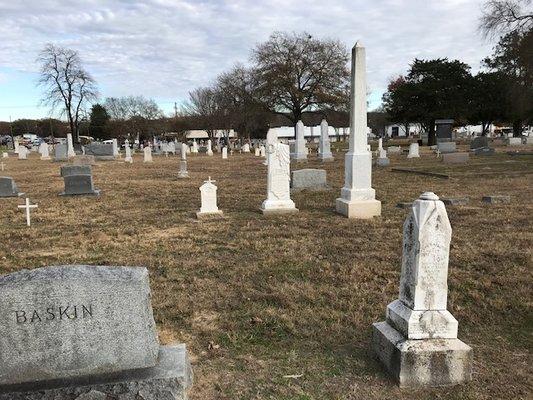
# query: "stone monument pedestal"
[[209, 215], [360, 209], [421, 363], [170, 379], [269, 211]]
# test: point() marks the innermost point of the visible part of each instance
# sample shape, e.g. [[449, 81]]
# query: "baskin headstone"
[[85, 332], [8, 188]]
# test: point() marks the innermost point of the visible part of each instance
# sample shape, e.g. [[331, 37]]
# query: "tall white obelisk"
[[358, 199]]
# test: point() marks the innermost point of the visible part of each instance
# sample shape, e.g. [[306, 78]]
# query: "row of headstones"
[[90, 329]]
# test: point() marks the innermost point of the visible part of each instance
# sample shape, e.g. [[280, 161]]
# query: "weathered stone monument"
[[262, 151], [309, 179], [224, 153], [278, 199], [480, 146], [23, 153], [60, 152], [8, 188], [300, 151], [324, 145], [208, 196], [455, 158], [183, 173], [128, 158], [443, 130], [85, 332], [44, 151], [358, 198], [413, 151], [78, 180], [115, 148], [194, 148], [70, 146], [382, 160], [102, 151], [147, 154], [446, 147], [257, 153], [209, 151], [246, 148], [418, 341]]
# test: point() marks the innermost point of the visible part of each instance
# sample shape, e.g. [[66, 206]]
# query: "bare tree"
[[66, 84], [297, 73], [204, 105], [505, 16]]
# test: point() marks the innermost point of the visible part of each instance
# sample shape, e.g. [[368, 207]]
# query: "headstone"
[[309, 179], [479, 142], [224, 153], [257, 153], [446, 147], [209, 149], [83, 159], [147, 154], [455, 158], [300, 151], [60, 152], [70, 146], [79, 185], [183, 173], [383, 160], [358, 198], [262, 151], [208, 194], [380, 144], [115, 148], [16, 146], [128, 158], [194, 148], [483, 151], [23, 153], [88, 329], [324, 145], [394, 150], [67, 170], [510, 141], [455, 201], [101, 151], [413, 151], [8, 188], [44, 151], [278, 180], [418, 341], [246, 148], [444, 130], [496, 199], [5, 154]]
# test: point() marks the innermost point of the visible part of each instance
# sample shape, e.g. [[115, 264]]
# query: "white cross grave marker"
[[28, 207]]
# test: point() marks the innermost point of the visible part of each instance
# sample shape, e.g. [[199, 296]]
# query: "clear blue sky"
[[164, 48]]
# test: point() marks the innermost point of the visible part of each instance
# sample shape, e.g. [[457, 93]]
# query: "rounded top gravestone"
[[75, 321]]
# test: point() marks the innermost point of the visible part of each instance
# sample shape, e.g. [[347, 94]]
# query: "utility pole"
[[11, 130], [175, 110]]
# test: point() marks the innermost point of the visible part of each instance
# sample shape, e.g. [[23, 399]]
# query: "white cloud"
[[165, 48]]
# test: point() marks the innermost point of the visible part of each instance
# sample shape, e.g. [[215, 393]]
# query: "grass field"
[[257, 300]]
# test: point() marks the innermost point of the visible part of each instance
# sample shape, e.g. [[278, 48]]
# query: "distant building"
[[202, 134]]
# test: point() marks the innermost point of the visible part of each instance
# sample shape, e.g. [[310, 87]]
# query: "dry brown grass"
[[256, 299]]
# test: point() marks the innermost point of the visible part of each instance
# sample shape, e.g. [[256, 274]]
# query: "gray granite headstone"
[[79, 185], [99, 149], [8, 188], [310, 179], [60, 152], [479, 142], [446, 147], [67, 170], [71, 321]]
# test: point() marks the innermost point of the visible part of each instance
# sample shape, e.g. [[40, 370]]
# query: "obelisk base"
[[422, 363], [360, 209]]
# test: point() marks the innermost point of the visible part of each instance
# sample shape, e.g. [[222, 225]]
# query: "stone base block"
[[360, 209], [170, 379], [277, 211], [326, 159], [96, 192], [422, 363], [430, 324], [459, 201], [183, 176], [382, 162], [496, 199], [209, 215]]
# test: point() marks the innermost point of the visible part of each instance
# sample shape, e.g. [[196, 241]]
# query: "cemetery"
[[234, 251]]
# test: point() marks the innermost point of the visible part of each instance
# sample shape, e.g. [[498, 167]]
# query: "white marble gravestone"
[[382, 160], [413, 151], [324, 146], [147, 154], [278, 180], [44, 151], [23, 153], [224, 153], [70, 146], [208, 195], [194, 148], [300, 151], [358, 198], [246, 148], [418, 341], [257, 153], [209, 148], [128, 158], [183, 173]]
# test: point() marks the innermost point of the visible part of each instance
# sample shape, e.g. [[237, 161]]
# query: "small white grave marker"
[[2, 165], [208, 193], [28, 207]]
